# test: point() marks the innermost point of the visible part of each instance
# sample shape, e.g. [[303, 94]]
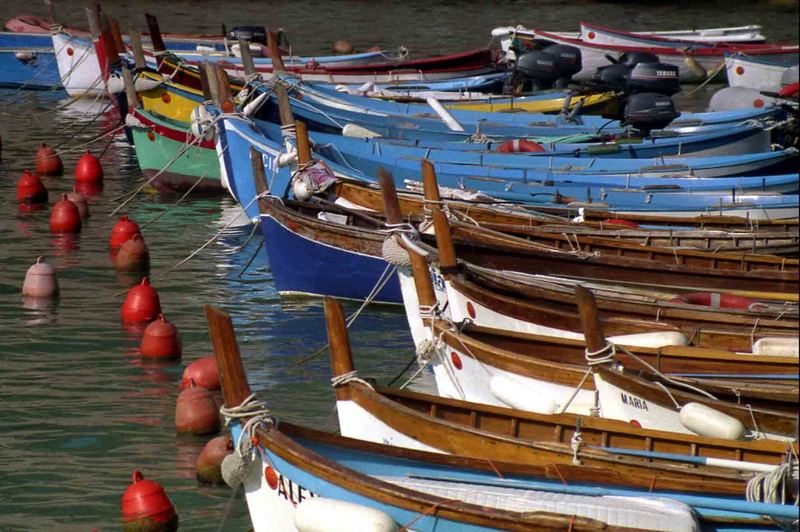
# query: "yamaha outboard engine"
[[639, 72], [249, 33], [550, 67], [646, 111]]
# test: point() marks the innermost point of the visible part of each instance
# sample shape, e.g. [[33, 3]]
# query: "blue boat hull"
[[303, 266]]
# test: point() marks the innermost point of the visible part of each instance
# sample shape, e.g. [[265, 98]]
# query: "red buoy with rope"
[[48, 162], [717, 300], [146, 506], [133, 255], [65, 217], [142, 304], [30, 189], [123, 231], [204, 372], [208, 467], [161, 340], [88, 169], [196, 411]]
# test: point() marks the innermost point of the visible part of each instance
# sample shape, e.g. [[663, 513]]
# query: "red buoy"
[[133, 255], [145, 506], [209, 464], [30, 189], [520, 146], [622, 223], [80, 201], [196, 411], [40, 280], [204, 372], [123, 231], [65, 217], [790, 90], [88, 169], [142, 304], [161, 340], [48, 162]]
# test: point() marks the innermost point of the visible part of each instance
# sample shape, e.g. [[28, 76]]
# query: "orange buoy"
[[123, 231], [65, 217], [208, 467], [48, 162], [204, 372], [30, 189], [88, 169], [40, 280], [196, 411], [520, 146], [141, 304], [161, 340], [342, 47], [133, 255], [80, 201], [145, 506], [621, 222]]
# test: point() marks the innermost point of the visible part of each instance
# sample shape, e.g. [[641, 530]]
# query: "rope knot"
[[604, 355], [351, 376]]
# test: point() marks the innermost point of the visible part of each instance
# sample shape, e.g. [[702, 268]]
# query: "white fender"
[[776, 346], [352, 130], [444, 114], [710, 423], [252, 107], [285, 159], [302, 190], [320, 514], [203, 48], [522, 397], [25, 56], [142, 84], [115, 85], [653, 339], [132, 121]]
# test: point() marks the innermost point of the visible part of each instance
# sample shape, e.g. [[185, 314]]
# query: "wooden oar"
[[259, 178], [235, 388], [444, 240], [138, 51]]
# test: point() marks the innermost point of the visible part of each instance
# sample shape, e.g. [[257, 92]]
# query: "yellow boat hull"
[[591, 102]]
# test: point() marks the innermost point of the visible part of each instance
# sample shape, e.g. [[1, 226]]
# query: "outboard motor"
[[654, 77], [550, 67], [256, 34], [636, 72], [647, 111]]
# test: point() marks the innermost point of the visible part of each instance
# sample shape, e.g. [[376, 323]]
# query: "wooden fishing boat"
[[756, 73], [695, 64], [742, 34], [308, 459]]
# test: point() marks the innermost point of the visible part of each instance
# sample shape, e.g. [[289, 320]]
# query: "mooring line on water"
[[183, 197], [246, 266], [91, 141], [228, 507], [132, 195]]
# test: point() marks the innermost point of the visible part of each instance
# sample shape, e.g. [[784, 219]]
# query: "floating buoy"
[[123, 231], [209, 464], [133, 255], [48, 162], [88, 169], [145, 506], [520, 146], [80, 202], [30, 189], [161, 340], [40, 280], [204, 372], [621, 222], [196, 411], [142, 303], [342, 47], [65, 217]]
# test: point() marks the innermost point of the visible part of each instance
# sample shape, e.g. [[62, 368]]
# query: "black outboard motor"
[[647, 111], [256, 34], [636, 72], [550, 67]]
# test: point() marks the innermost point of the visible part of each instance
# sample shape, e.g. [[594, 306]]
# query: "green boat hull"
[[163, 156]]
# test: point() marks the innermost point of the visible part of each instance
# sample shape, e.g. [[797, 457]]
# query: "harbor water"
[[80, 410]]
